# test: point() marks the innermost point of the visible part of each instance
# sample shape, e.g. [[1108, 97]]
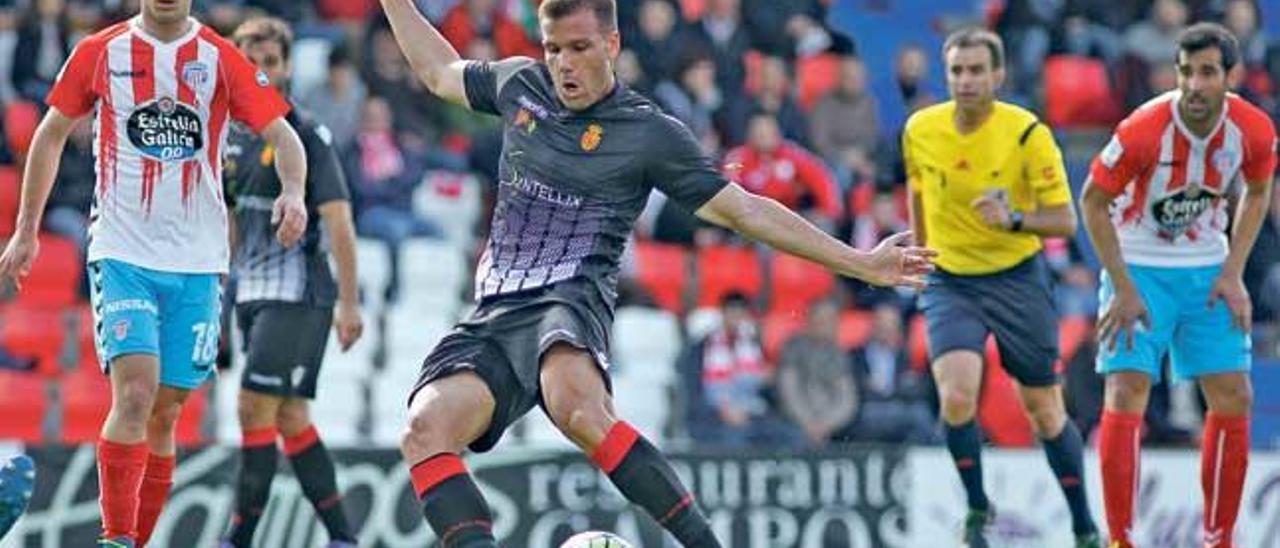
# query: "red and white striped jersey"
[[162, 111], [1171, 210]]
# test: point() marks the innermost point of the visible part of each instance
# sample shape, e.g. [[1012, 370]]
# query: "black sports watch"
[[1015, 221]]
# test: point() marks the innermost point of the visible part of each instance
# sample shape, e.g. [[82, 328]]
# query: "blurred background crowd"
[[800, 100]]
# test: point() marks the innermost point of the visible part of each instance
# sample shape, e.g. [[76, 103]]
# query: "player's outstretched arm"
[[37, 182], [290, 210], [1126, 308], [433, 59], [766, 220]]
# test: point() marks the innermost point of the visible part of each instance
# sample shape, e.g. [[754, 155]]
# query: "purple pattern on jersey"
[[540, 236]]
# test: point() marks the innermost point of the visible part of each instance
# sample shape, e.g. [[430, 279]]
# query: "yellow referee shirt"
[[1011, 153]]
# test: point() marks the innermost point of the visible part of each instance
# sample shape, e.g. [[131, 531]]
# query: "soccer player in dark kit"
[[581, 153]]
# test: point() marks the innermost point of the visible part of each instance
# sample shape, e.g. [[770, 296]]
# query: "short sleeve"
[[74, 93], [1259, 151], [325, 180], [254, 101], [679, 168], [1120, 161], [1045, 170], [909, 162], [483, 81]]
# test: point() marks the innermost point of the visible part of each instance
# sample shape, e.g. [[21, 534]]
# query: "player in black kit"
[[580, 155]]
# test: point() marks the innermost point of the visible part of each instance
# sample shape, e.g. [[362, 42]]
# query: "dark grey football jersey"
[[573, 182]]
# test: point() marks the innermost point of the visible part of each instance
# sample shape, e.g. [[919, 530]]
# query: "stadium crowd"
[[775, 351]]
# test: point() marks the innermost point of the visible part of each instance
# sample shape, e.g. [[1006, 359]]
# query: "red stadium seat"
[[20, 121], [796, 283], [726, 269], [660, 269], [1078, 93], [855, 328], [815, 76], [86, 399], [22, 396], [34, 332], [692, 10], [55, 276], [10, 194], [776, 330], [190, 421], [1072, 332], [918, 344]]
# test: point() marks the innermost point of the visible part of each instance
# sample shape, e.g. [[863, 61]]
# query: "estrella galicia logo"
[[1177, 212], [165, 129]]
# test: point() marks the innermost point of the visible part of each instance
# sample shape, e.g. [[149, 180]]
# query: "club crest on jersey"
[[195, 74], [262, 79], [1225, 161], [591, 137], [525, 121], [166, 130], [121, 329]]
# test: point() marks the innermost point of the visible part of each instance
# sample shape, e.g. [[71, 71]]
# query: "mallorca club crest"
[[591, 137]]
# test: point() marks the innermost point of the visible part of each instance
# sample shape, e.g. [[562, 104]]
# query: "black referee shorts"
[[284, 346], [1015, 305]]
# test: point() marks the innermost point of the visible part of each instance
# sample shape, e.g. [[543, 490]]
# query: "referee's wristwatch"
[[1015, 221]]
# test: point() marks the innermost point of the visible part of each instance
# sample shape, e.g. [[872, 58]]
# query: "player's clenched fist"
[[290, 214]]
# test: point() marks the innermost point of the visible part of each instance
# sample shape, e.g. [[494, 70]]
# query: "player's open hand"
[[1232, 290], [1121, 316], [16, 261], [289, 214], [348, 324], [893, 264]]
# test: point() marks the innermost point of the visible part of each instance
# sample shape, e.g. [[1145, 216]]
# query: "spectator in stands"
[[894, 408], [816, 386], [777, 97], [418, 114], [41, 50], [8, 45], [67, 212], [792, 28], [336, 103], [845, 124], [735, 378], [658, 46], [882, 218], [1154, 39], [383, 175], [696, 99], [772, 166], [1241, 18], [722, 33], [471, 19], [910, 69]]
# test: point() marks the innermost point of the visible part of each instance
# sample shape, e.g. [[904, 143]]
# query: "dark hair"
[[1211, 35], [735, 299], [971, 37], [606, 11], [340, 55], [264, 29]]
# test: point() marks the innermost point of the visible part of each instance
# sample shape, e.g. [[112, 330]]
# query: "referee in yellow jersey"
[[987, 183]]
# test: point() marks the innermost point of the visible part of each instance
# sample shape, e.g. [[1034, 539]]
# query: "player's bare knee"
[[1229, 396], [1047, 419], [429, 433], [164, 416], [253, 409], [1127, 392], [135, 401], [293, 417], [958, 406]]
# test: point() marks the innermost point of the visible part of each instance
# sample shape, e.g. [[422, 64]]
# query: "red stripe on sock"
[[683, 503], [1069, 481], [434, 470], [1224, 458], [157, 480], [329, 502], [1119, 449], [965, 463], [120, 468], [301, 441], [258, 437], [617, 443], [480, 523]]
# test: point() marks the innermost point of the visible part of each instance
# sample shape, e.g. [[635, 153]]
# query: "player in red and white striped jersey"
[[1155, 206], [161, 88]]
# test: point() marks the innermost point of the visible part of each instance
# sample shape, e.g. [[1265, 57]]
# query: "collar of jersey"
[[135, 25], [1182, 127]]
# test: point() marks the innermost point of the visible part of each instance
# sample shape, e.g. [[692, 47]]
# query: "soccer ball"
[[595, 539]]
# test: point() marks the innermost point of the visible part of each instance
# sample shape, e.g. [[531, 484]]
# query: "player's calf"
[[1224, 453]]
